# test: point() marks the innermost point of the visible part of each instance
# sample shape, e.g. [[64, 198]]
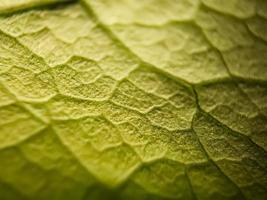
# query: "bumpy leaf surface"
[[133, 100]]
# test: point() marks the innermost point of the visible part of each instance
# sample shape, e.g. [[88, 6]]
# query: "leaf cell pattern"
[[119, 99]]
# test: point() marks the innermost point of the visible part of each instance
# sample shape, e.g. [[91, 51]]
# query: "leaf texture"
[[136, 100]]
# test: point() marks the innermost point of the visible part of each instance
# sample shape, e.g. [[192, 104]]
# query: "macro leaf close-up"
[[133, 99]]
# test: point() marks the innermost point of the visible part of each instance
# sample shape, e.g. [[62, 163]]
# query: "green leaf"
[[133, 100]]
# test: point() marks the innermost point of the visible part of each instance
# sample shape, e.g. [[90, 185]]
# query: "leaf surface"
[[119, 99]]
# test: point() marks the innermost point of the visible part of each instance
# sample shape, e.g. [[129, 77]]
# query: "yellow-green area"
[[133, 100]]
